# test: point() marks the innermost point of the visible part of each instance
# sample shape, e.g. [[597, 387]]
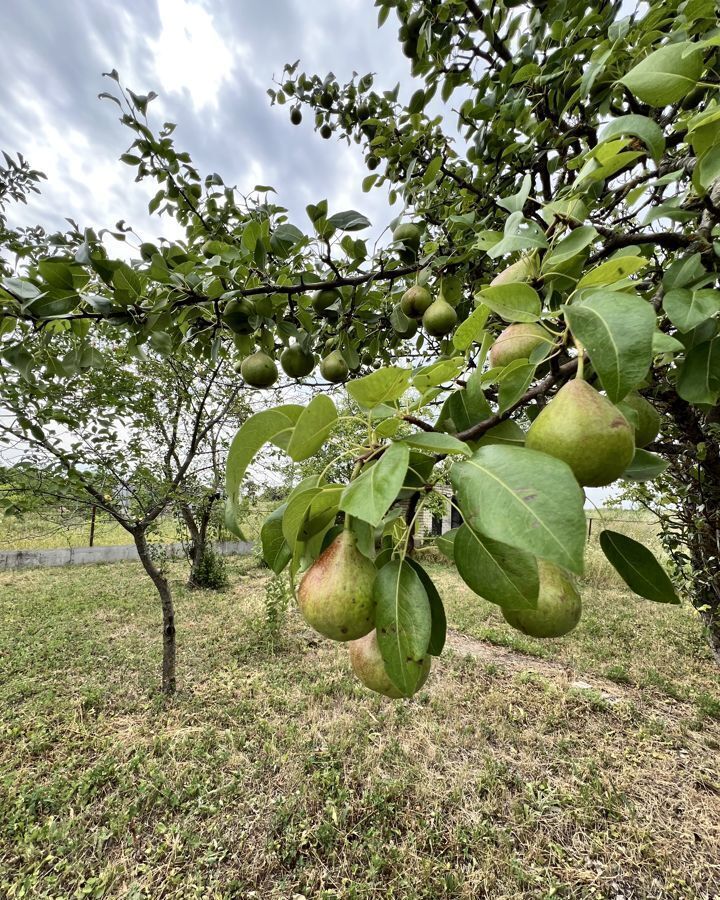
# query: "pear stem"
[[580, 358]]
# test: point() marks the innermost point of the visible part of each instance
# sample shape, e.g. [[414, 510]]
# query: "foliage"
[[211, 571], [276, 600]]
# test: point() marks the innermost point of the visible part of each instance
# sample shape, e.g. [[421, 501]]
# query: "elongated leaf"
[[666, 75], [513, 382], [617, 331], [699, 378], [569, 248], [644, 467], [384, 386], [471, 329], [274, 425], [370, 496], [435, 442], [296, 510], [687, 309], [642, 127], [516, 302], [438, 631], [446, 543], [437, 373], [276, 552], [350, 220], [507, 432], [612, 271], [404, 623], [498, 572], [526, 499], [464, 407], [637, 567], [313, 427]]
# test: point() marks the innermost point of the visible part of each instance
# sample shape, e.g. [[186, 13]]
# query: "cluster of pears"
[[437, 315], [336, 599]]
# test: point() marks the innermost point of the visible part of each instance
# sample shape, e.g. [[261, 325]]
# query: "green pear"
[[333, 367], [584, 429], [415, 301], [323, 299], [296, 361], [367, 663], [643, 416], [409, 235], [259, 370], [517, 342], [336, 592], [558, 606], [523, 270], [237, 314], [439, 318]]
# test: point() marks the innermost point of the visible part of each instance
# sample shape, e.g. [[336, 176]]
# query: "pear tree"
[[540, 318]]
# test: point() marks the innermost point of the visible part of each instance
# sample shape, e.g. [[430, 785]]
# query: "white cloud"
[[190, 55]]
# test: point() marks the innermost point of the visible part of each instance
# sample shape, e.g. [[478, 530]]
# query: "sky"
[[211, 63]]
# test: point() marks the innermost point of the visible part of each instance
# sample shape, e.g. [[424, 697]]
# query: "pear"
[[367, 663], [404, 325], [584, 429], [415, 301], [323, 299], [409, 235], [259, 370], [333, 367], [558, 606], [523, 270], [643, 416], [336, 592], [517, 342], [236, 315], [296, 115], [439, 318], [296, 361]]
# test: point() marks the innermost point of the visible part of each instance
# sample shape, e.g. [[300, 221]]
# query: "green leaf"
[[350, 220], [617, 331], [384, 386], [569, 248], [438, 632], [446, 543], [641, 127], [526, 499], [699, 377], [371, 494], [687, 309], [513, 382], [667, 75], [471, 329], [612, 271], [57, 273], [404, 623], [296, 511], [464, 407], [507, 432], [276, 552], [269, 425], [637, 567], [313, 427], [516, 302], [436, 442], [498, 572], [438, 373], [665, 343], [644, 466]]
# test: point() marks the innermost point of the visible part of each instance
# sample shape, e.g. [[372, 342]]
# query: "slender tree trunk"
[[198, 536], [168, 611]]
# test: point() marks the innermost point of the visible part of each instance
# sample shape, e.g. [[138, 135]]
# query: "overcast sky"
[[211, 62]]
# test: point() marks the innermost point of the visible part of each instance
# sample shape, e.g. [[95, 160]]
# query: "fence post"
[[92, 525], [590, 521]]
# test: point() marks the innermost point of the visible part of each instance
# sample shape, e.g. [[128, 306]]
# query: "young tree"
[[129, 437], [562, 239]]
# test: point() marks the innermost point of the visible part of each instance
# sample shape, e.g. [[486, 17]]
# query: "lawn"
[[274, 774]]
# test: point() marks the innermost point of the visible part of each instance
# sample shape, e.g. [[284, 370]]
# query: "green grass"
[[273, 773]]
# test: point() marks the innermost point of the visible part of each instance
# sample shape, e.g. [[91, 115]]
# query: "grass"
[[274, 774]]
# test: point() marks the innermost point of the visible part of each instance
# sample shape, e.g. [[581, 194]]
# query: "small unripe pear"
[[585, 430], [296, 361], [323, 299], [440, 318], [647, 418], [517, 342], [408, 234], [367, 663], [237, 313], [259, 370], [523, 270], [333, 367], [296, 115], [335, 594], [558, 605], [415, 301]]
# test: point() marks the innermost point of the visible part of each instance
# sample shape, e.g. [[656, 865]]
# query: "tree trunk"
[[168, 611], [198, 536]]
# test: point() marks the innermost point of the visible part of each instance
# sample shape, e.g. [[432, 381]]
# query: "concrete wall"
[[80, 556]]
